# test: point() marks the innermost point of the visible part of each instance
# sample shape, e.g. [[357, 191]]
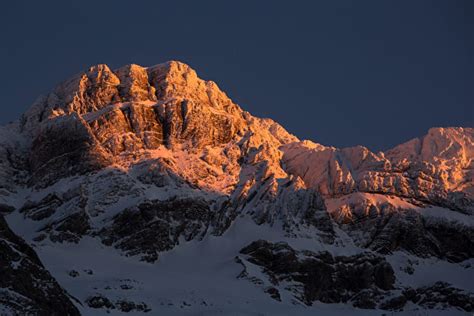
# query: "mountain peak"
[[107, 113], [99, 87], [174, 66], [446, 143]]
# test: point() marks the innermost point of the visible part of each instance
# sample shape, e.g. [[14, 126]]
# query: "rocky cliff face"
[[149, 160], [26, 287], [435, 169], [363, 280]]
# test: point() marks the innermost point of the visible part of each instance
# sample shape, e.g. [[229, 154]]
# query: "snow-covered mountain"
[[147, 190]]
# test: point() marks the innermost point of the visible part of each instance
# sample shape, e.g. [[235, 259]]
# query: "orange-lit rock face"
[[165, 104], [141, 112], [431, 168]]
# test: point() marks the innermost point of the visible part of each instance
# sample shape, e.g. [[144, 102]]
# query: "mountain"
[[147, 190]]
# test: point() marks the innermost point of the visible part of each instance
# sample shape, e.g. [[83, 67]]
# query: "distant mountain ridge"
[[145, 161]]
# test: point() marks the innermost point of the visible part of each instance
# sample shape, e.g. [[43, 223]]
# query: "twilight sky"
[[341, 73]]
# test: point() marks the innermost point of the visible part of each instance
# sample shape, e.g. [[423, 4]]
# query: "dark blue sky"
[[341, 73]]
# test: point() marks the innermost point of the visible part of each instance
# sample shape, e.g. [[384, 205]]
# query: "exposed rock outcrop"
[[320, 276], [26, 287], [156, 226], [364, 280]]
